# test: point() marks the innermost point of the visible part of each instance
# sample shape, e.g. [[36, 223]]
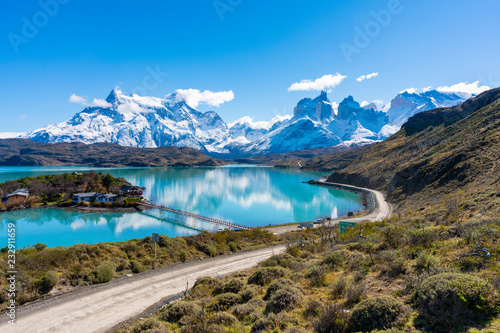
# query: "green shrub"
[[273, 323], [148, 325], [248, 292], [182, 256], [174, 312], [249, 312], [313, 308], [450, 299], [265, 275], [425, 262], [284, 260], [339, 287], [47, 281], [223, 319], [354, 293], [104, 272], [209, 250], [381, 312], [333, 260], [232, 246], [334, 319], [225, 301], [136, 266], [277, 285], [285, 298], [317, 275], [233, 286]]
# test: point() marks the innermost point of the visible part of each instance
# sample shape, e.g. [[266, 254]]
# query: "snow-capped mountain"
[[245, 130], [150, 122], [316, 124], [407, 104], [145, 122]]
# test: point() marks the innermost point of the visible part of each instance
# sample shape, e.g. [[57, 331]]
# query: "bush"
[[313, 308], [104, 272], [339, 287], [232, 246], [450, 299], [248, 292], [182, 256], [233, 286], [249, 312], [277, 285], [317, 276], [48, 281], [381, 312], [286, 298], [354, 294], [273, 322], [265, 275], [334, 259], [223, 319], [425, 262], [176, 311], [148, 325], [224, 301], [333, 320], [136, 267], [284, 260], [209, 250]]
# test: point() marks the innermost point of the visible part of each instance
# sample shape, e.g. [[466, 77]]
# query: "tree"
[[107, 181]]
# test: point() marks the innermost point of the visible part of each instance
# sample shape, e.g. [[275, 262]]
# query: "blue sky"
[[256, 49]]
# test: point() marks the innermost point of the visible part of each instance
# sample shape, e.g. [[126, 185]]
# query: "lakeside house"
[[94, 196], [132, 191], [17, 194]]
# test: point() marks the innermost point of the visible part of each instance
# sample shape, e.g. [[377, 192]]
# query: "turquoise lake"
[[246, 195]]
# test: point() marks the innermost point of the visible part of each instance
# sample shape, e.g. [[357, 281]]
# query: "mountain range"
[[150, 122]]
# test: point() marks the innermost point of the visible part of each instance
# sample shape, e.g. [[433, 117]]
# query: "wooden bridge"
[[196, 216]]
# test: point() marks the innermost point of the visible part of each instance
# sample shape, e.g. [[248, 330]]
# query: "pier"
[[196, 216]]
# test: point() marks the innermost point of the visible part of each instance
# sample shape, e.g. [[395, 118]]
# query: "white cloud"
[[470, 88], [194, 97], [77, 99], [367, 76], [9, 135], [131, 107], [409, 90], [83, 101], [323, 83], [23, 117]]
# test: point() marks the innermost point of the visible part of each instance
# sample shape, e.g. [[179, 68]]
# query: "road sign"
[[344, 226], [156, 238]]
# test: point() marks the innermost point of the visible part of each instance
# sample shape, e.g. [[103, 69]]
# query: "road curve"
[[382, 209], [99, 309]]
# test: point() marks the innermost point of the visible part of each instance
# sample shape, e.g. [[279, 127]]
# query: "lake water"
[[246, 195]]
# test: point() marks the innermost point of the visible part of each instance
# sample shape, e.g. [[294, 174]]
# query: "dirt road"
[[382, 209], [97, 309]]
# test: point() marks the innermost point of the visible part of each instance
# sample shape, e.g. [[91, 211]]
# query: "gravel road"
[[382, 210], [99, 308]]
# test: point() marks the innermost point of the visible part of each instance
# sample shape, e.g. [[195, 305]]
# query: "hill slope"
[[22, 152], [438, 151]]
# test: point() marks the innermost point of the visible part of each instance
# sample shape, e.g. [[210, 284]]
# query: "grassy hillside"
[[22, 152], [438, 153]]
